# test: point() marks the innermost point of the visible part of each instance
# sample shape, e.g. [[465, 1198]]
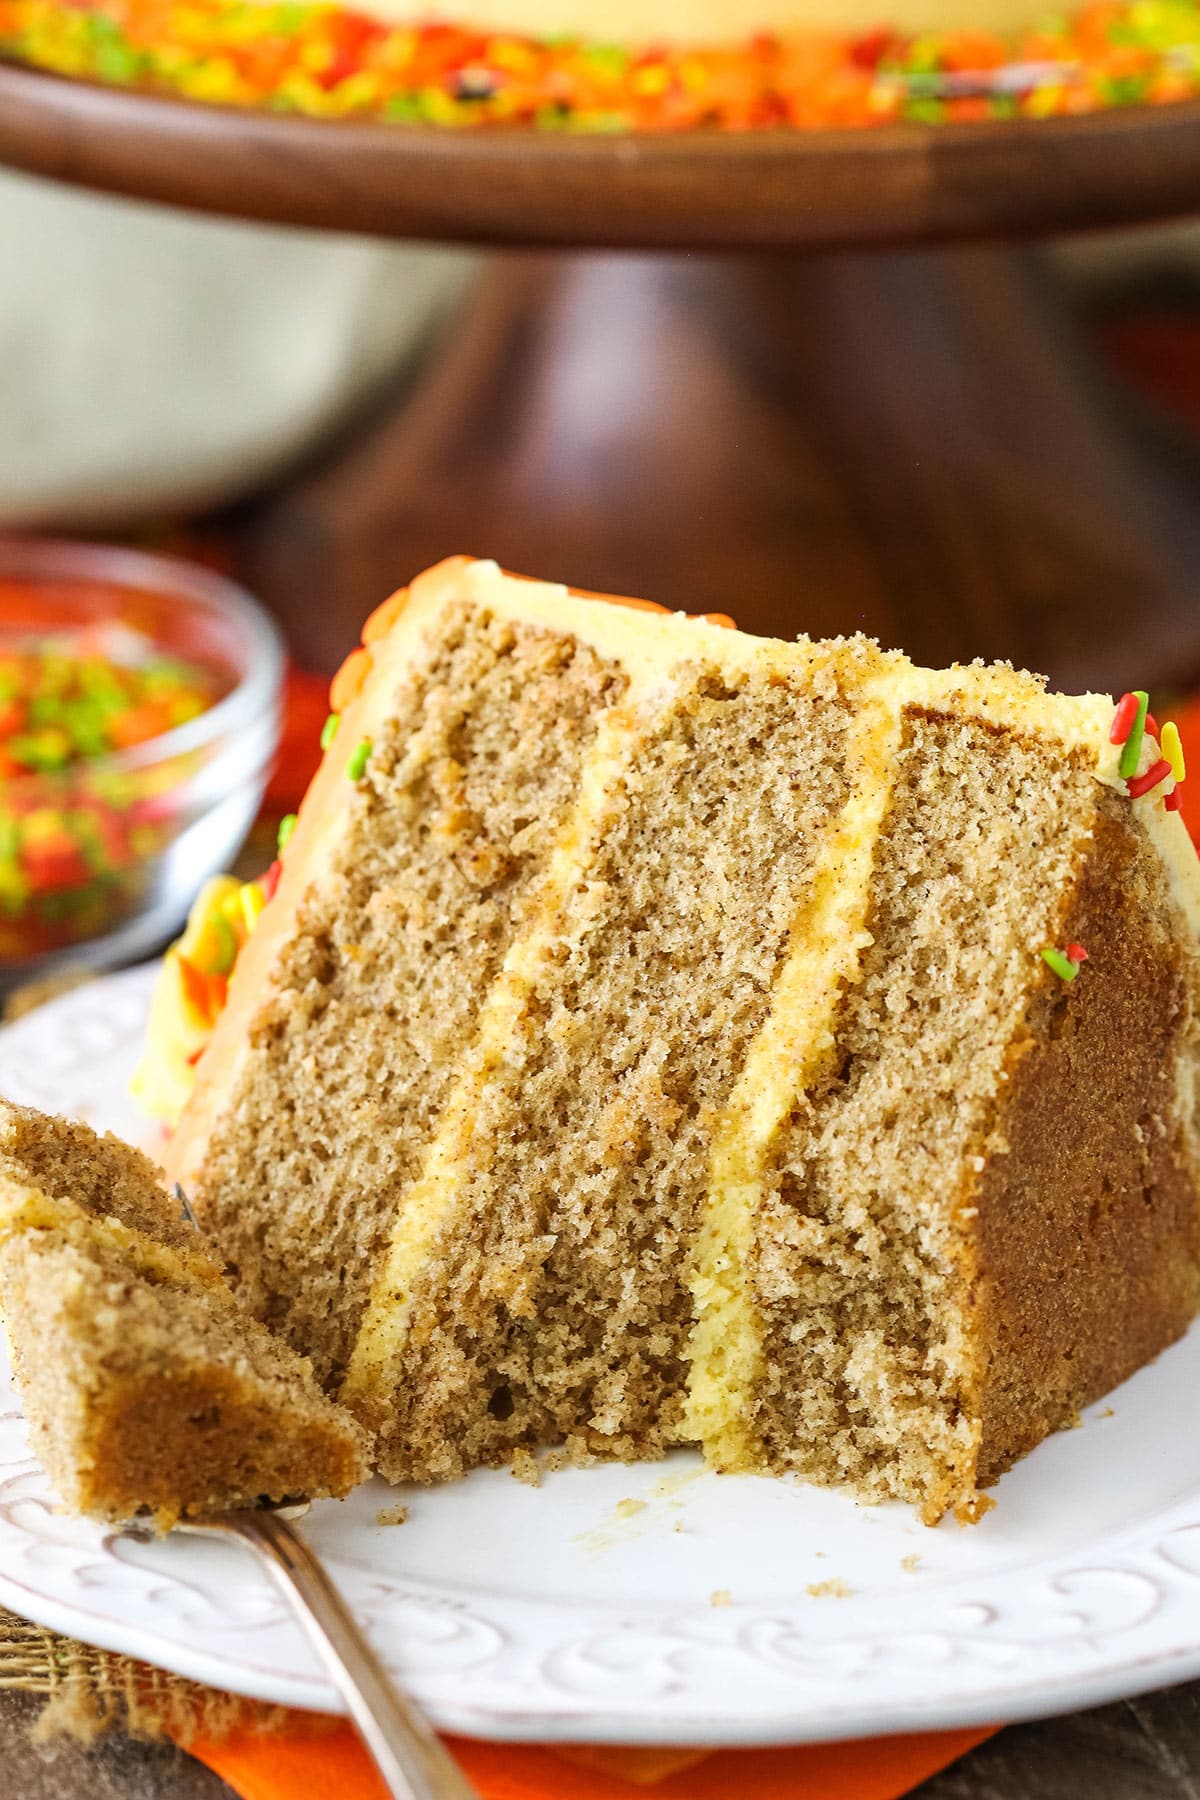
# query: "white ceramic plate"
[[657, 1603]]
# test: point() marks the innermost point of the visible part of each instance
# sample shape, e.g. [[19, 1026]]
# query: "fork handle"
[[413, 1762]]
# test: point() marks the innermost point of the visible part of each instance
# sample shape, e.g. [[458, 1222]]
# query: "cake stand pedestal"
[[846, 419]]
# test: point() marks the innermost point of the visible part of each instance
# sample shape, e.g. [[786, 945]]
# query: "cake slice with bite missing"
[[658, 1035], [147, 1387]]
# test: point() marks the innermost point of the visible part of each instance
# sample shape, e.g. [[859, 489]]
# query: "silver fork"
[[407, 1752]]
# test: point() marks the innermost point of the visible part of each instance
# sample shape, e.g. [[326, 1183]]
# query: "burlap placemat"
[[87, 1692]]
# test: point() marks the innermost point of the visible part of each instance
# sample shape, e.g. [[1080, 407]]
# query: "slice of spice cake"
[[146, 1385], [650, 1041]]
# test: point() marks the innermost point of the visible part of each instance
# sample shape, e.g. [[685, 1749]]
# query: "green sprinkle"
[[358, 762], [226, 946], [1132, 748], [117, 62], [925, 112], [609, 61], [286, 827], [1124, 90], [404, 109], [287, 20], [1062, 965], [329, 729]]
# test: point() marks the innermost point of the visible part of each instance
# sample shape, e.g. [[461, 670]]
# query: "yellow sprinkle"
[[231, 909], [316, 57], [1044, 102], [397, 50], [355, 93], [217, 79], [514, 58], [252, 900], [652, 81], [1172, 749]]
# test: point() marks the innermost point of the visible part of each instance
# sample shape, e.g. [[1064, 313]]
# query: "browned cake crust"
[[1085, 1257]]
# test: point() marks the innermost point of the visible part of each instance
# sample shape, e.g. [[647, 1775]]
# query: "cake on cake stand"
[[836, 390]]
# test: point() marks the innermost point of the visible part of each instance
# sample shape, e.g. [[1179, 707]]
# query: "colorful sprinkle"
[[1173, 802], [1132, 750], [287, 826], [1062, 965], [358, 762], [1123, 719], [1143, 784], [329, 729], [220, 946], [1172, 749], [1077, 953], [270, 881], [331, 62], [252, 899]]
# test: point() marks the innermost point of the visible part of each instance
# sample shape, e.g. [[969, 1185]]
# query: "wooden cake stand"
[[829, 398]]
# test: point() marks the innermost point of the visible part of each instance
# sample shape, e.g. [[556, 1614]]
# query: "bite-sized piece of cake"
[[650, 1041], [146, 1386]]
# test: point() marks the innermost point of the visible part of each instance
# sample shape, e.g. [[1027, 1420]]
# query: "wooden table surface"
[[1147, 1749]]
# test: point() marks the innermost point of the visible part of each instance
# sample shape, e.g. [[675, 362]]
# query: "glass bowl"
[[100, 859]]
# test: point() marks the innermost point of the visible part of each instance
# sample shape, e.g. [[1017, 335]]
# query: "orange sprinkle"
[[348, 683], [384, 617]]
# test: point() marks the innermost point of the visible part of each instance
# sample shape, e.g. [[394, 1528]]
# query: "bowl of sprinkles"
[[139, 714]]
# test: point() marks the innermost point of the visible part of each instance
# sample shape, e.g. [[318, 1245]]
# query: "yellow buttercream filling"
[[28, 1210], [796, 1041]]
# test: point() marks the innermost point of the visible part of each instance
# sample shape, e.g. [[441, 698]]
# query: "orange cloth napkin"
[[297, 1765], [304, 1767]]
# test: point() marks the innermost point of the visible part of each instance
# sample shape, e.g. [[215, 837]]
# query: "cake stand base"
[[915, 444]]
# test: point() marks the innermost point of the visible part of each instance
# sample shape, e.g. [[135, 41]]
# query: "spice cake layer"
[[650, 1042]]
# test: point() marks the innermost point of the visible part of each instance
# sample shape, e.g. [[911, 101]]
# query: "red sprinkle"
[[1123, 718], [1077, 953], [1142, 784], [1152, 725], [1174, 800], [270, 880]]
